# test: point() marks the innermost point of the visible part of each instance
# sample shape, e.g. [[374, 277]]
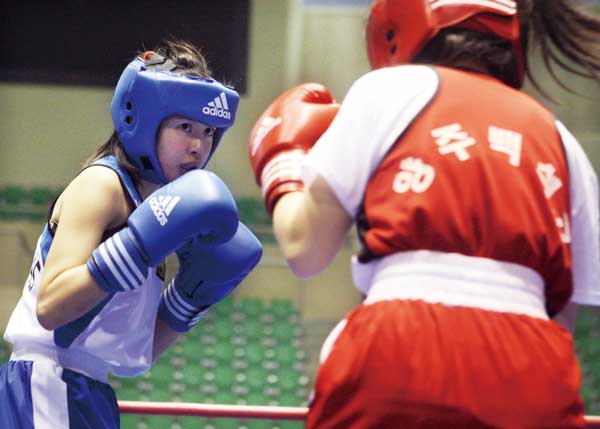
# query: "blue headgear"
[[148, 92]]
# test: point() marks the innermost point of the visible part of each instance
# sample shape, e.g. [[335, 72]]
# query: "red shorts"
[[409, 364]]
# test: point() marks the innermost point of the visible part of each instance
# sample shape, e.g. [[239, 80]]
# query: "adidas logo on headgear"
[[163, 206], [218, 107]]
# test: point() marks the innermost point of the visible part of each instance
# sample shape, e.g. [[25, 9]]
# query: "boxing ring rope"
[[238, 411], [214, 410]]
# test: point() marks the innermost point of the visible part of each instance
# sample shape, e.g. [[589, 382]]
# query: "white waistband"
[[70, 359], [457, 280]]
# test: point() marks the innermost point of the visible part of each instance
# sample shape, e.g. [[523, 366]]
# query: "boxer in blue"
[[94, 301]]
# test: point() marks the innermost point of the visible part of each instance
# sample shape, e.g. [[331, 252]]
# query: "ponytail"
[[567, 35]]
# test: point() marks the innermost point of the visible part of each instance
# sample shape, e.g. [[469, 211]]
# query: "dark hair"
[[113, 146], [566, 34], [188, 58], [190, 61], [471, 50]]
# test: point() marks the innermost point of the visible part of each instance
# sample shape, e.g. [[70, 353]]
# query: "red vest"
[[482, 172]]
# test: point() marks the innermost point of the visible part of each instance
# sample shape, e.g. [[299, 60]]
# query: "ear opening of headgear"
[[397, 29], [150, 90]]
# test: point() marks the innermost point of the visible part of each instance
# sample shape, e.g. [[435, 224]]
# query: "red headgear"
[[398, 29]]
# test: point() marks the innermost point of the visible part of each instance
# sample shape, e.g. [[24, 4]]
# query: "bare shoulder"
[[97, 196]]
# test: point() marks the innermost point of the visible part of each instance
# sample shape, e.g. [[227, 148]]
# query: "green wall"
[[46, 132]]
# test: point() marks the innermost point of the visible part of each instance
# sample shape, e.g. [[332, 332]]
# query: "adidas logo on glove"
[[162, 207], [218, 107]]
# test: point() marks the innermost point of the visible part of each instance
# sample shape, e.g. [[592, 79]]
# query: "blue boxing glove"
[[206, 275], [196, 205]]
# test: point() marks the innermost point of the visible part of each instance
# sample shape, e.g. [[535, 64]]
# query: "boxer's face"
[[183, 145]]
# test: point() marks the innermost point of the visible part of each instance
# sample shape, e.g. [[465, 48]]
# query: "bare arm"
[[93, 202], [163, 338], [310, 227]]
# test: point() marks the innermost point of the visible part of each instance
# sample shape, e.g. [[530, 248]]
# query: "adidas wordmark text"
[[162, 207], [218, 107]]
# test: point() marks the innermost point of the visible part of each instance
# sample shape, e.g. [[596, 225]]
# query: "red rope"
[[213, 410], [238, 411]]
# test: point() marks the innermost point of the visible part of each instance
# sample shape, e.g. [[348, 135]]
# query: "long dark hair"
[[565, 32], [567, 35], [189, 60]]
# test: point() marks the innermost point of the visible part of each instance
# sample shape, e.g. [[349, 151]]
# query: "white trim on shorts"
[[46, 382]]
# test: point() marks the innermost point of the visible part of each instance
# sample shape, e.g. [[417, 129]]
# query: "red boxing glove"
[[283, 135]]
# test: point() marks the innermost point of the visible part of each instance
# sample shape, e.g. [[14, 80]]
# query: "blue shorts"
[[43, 395]]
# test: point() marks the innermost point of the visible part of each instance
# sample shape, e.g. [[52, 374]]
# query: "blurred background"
[[59, 62]]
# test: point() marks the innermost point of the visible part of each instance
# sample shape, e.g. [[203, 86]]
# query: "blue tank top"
[[115, 336]]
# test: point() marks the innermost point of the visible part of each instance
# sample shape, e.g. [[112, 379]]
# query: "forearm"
[[291, 228], [163, 338], [68, 296], [309, 223], [310, 227]]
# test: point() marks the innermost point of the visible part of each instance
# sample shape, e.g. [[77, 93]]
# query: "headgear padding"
[[149, 92]]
